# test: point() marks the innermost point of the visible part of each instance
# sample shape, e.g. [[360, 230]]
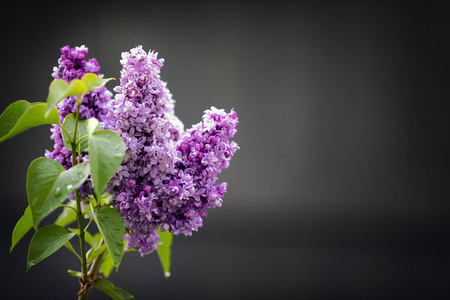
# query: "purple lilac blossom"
[[167, 178], [71, 65]]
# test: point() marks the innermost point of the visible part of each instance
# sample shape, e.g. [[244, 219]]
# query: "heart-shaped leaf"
[[60, 89], [22, 115], [69, 126], [69, 246], [67, 216], [106, 152], [24, 224], [94, 253], [111, 227], [92, 81], [49, 184], [114, 292], [87, 236], [46, 241], [165, 250], [92, 125], [107, 264]]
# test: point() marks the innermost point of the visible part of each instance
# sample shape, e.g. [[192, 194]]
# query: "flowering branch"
[[125, 163]]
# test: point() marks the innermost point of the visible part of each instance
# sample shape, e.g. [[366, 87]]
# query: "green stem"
[[83, 138], [78, 200], [82, 238], [95, 267], [62, 128], [77, 116], [68, 206], [85, 229]]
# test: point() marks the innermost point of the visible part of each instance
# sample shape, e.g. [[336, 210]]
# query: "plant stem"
[[95, 267], [78, 200], [82, 238]]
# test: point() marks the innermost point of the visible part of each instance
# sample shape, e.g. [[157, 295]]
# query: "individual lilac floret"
[[167, 178], [71, 65]]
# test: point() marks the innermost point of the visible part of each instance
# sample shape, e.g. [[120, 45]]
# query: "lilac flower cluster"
[[167, 178], [73, 64]]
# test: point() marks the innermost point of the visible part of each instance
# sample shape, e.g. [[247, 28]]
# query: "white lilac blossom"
[[168, 177], [71, 65]]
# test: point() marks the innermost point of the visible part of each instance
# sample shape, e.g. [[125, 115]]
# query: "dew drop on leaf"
[[69, 188], [116, 252], [57, 192]]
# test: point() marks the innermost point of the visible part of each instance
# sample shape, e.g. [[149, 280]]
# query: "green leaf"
[[24, 224], [75, 273], [165, 250], [111, 227], [92, 81], [114, 292], [87, 236], [92, 125], [107, 264], [60, 89], [67, 216], [69, 246], [94, 253], [49, 184], [106, 152], [97, 237], [46, 241], [22, 115], [69, 125]]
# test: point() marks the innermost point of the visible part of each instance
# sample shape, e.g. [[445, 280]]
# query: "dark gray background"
[[340, 188]]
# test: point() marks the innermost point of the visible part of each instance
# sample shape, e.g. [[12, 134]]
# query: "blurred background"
[[340, 188]]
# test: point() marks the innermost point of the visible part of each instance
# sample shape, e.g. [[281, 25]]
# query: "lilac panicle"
[[167, 178], [71, 65], [142, 113]]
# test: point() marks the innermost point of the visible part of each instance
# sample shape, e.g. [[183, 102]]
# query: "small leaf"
[[22, 115], [92, 125], [106, 152], [111, 227], [60, 89], [24, 224], [97, 237], [114, 292], [75, 273], [49, 184], [92, 81], [94, 253], [87, 236], [107, 264], [46, 241], [67, 216], [69, 246], [69, 125], [165, 250]]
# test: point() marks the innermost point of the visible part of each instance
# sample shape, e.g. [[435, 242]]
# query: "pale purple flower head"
[[71, 65], [167, 178]]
